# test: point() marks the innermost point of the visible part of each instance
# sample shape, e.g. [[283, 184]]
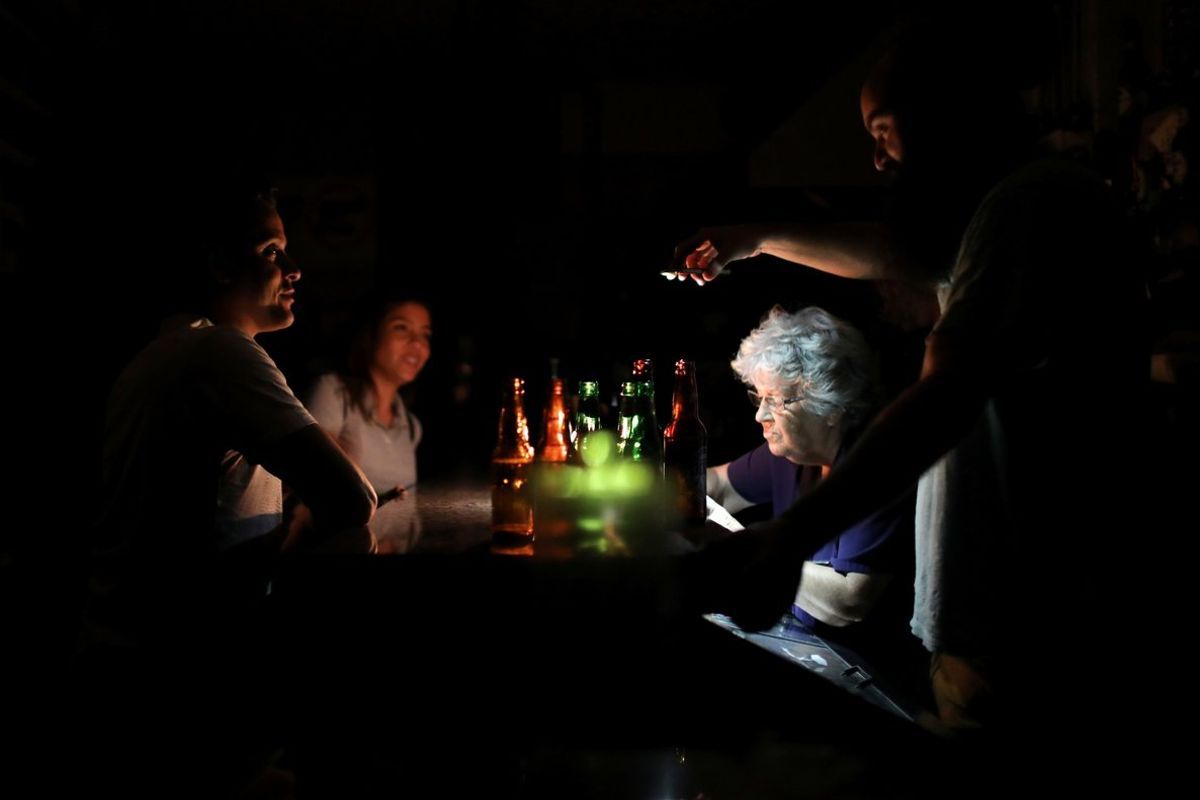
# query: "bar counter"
[[453, 669]]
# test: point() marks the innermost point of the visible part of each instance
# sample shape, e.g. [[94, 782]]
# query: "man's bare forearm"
[[907, 438], [327, 481], [848, 250]]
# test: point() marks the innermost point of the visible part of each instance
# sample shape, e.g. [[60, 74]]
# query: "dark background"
[[527, 167], [526, 164]]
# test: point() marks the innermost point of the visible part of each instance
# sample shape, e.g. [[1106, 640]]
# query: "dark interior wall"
[[529, 165]]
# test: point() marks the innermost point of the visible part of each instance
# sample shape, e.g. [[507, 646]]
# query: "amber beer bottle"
[[550, 518], [555, 445], [685, 448], [512, 501]]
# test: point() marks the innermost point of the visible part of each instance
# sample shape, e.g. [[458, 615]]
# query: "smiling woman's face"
[[402, 343]]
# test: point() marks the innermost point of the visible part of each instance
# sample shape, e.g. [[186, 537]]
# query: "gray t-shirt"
[[1008, 527], [181, 481]]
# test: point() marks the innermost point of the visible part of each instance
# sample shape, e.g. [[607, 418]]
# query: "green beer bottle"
[[587, 419], [637, 435]]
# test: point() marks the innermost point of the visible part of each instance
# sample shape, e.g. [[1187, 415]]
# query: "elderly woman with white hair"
[[814, 387]]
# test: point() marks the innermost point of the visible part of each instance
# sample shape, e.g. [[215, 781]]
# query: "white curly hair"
[[826, 359]]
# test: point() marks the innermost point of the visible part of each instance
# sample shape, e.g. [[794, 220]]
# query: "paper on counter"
[[717, 513]]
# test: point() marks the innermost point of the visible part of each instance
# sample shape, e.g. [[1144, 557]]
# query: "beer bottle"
[[637, 438], [555, 442], [587, 418], [643, 374], [550, 517], [685, 447], [512, 502], [628, 422]]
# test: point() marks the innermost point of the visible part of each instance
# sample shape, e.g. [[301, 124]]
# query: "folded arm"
[[335, 492], [838, 599]]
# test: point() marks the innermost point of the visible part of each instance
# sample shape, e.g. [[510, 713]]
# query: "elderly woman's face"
[[790, 431]]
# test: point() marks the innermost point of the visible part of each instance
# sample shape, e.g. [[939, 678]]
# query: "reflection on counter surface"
[[602, 505], [614, 510]]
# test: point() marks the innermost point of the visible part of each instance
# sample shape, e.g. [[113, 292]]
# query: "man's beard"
[[927, 214]]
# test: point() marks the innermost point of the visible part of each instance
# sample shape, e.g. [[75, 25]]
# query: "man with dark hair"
[[200, 430], [1040, 324]]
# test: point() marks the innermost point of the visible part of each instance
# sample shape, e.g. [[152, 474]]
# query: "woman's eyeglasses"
[[773, 403]]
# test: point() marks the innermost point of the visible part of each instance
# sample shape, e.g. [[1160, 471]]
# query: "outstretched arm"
[[849, 250]]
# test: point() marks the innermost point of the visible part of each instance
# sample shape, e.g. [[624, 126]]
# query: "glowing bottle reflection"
[[512, 500]]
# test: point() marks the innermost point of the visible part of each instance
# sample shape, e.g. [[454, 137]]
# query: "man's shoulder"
[[207, 352], [223, 343], [1042, 201], [1048, 177], [189, 331]]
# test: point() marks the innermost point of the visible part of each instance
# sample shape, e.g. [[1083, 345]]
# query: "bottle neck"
[[644, 403], [685, 403], [555, 436], [512, 438], [587, 417]]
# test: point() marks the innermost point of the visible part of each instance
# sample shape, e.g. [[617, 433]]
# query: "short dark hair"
[[217, 220], [961, 71], [227, 218]]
